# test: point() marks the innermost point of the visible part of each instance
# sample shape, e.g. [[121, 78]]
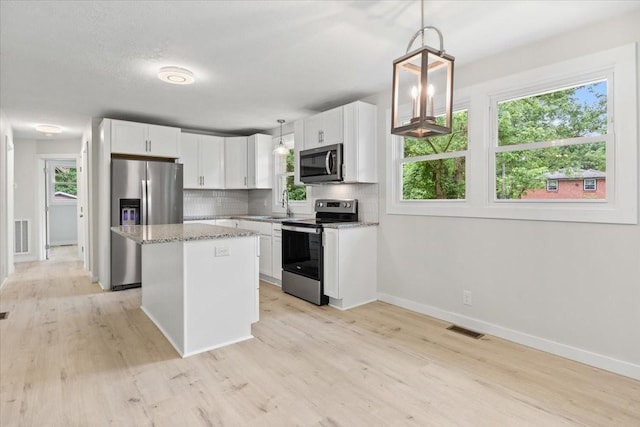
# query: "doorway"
[[61, 204]]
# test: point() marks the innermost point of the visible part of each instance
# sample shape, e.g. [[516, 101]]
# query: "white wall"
[[6, 198], [568, 288], [29, 177]]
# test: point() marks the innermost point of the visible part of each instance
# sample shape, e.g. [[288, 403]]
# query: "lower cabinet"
[[276, 251], [350, 259]]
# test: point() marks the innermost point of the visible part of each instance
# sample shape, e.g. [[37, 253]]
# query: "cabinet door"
[[276, 256], [191, 173], [164, 141], [331, 257], [235, 162], [265, 255], [260, 161], [128, 137], [212, 161], [313, 131], [332, 126]]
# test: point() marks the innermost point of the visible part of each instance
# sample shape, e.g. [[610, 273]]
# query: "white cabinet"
[[203, 159], [260, 161], [264, 228], [354, 126], [276, 251], [248, 162], [350, 259], [235, 162], [324, 129], [360, 160], [144, 139]]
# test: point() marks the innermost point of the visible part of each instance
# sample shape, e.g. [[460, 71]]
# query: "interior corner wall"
[[571, 289]]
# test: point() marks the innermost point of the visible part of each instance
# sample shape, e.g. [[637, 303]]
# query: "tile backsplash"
[[367, 195], [215, 202], [259, 202]]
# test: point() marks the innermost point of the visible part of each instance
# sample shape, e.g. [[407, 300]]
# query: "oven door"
[[302, 251], [322, 164]]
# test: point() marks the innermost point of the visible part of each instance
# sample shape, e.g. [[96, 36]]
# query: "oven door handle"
[[301, 229]]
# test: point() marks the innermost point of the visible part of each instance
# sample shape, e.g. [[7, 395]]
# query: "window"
[[285, 178], [589, 184], [558, 132], [63, 186], [434, 168], [533, 139]]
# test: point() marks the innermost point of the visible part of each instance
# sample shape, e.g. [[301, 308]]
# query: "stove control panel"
[[337, 205]]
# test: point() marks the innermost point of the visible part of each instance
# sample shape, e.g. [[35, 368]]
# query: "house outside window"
[[552, 185], [589, 184]]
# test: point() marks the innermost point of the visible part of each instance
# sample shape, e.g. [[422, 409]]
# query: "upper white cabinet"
[[203, 159], [144, 139], [248, 162], [235, 162], [353, 125], [260, 161], [324, 129]]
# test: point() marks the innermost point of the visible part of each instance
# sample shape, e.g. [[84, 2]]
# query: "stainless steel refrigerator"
[[142, 193]]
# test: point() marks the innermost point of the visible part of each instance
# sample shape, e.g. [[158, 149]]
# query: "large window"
[[556, 143], [561, 133], [434, 168]]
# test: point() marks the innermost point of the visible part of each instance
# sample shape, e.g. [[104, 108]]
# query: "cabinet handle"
[[245, 181], [320, 136], [149, 145], [203, 180]]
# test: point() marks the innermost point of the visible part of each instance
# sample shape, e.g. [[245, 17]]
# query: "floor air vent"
[[4, 315], [465, 331]]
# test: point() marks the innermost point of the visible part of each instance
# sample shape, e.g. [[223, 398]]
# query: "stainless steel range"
[[302, 248]]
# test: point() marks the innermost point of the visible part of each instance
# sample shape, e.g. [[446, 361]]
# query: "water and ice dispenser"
[[130, 212]]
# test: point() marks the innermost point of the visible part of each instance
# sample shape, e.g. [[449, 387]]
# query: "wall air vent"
[[21, 235]]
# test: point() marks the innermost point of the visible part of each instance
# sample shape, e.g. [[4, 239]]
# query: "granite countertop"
[[148, 234], [351, 224]]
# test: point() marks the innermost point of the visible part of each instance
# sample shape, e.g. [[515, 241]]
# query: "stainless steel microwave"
[[321, 165]]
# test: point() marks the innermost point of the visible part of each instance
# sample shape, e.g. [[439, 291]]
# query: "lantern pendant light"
[[281, 149], [422, 89]]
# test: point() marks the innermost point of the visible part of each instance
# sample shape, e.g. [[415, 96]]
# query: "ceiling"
[[64, 62]]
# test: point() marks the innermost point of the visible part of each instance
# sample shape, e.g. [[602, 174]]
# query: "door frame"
[[41, 160]]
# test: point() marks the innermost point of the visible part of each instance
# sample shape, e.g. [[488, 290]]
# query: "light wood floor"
[[72, 355]]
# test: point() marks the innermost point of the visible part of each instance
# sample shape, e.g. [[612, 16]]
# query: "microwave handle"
[[327, 162]]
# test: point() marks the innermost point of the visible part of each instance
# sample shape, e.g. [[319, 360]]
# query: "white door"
[[62, 195]]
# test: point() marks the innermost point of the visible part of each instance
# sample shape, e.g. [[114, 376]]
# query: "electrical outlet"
[[222, 251], [466, 298]]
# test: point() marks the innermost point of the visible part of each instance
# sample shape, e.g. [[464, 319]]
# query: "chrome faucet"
[[285, 202]]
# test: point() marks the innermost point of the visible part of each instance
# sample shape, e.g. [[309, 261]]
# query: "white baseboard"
[[621, 367]]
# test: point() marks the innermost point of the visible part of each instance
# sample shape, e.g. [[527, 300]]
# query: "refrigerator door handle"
[[143, 214]]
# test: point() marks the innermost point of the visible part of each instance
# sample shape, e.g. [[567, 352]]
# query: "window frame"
[[51, 170], [296, 206], [584, 184], [619, 66]]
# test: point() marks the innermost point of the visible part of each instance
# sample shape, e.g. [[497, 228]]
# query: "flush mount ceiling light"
[[48, 130], [281, 149], [423, 84], [176, 75]]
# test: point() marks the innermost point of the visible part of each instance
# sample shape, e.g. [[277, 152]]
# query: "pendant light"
[[422, 88], [281, 149]]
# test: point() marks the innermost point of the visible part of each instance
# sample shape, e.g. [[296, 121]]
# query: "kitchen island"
[[199, 282]]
